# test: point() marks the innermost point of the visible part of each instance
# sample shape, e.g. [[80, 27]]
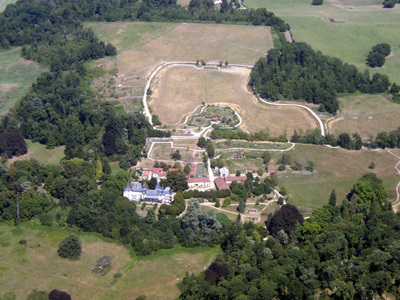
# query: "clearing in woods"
[[178, 90], [40, 153], [365, 114], [16, 76], [37, 266]]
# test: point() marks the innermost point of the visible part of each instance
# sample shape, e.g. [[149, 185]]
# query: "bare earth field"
[[366, 114], [178, 91]]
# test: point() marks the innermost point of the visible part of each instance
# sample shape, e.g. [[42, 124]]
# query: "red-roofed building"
[[146, 175], [156, 173], [214, 119], [221, 184], [118, 75], [193, 168], [271, 170], [230, 179], [199, 182], [239, 156], [224, 183]]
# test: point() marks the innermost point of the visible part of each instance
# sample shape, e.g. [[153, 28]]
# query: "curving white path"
[[146, 110], [321, 125]]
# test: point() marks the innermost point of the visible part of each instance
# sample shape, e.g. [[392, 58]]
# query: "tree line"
[[297, 72], [347, 251], [344, 140]]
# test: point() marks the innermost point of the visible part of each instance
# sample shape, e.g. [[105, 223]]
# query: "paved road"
[[321, 125]]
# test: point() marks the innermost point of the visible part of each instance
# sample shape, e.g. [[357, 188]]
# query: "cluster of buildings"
[[157, 173], [141, 192]]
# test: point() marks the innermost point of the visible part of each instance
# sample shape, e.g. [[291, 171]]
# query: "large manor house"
[[141, 192]]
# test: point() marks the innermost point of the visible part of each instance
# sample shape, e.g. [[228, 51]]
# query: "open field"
[[232, 43], [366, 114], [16, 76], [41, 154], [178, 91], [335, 169], [128, 35], [3, 4], [37, 265], [244, 165], [359, 25]]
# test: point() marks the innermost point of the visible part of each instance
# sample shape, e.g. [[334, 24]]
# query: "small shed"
[[238, 156], [214, 119], [118, 75]]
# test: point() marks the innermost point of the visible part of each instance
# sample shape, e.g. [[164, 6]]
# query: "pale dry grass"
[[232, 43], [367, 115], [37, 266], [178, 91]]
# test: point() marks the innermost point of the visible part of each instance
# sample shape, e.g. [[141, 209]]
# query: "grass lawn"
[[334, 169], [359, 25], [16, 76], [41, 153], [37, 265]]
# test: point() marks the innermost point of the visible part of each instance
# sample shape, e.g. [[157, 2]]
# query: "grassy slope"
[[24, 268], [16, 76], [366, 114], [364, 25], [334, 169]]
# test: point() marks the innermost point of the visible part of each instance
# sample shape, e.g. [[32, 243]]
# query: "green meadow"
[[357, 27], [36, 265], [16, 76]]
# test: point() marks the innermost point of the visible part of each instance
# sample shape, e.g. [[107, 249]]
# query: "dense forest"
[[349, 251], [296, 71]]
